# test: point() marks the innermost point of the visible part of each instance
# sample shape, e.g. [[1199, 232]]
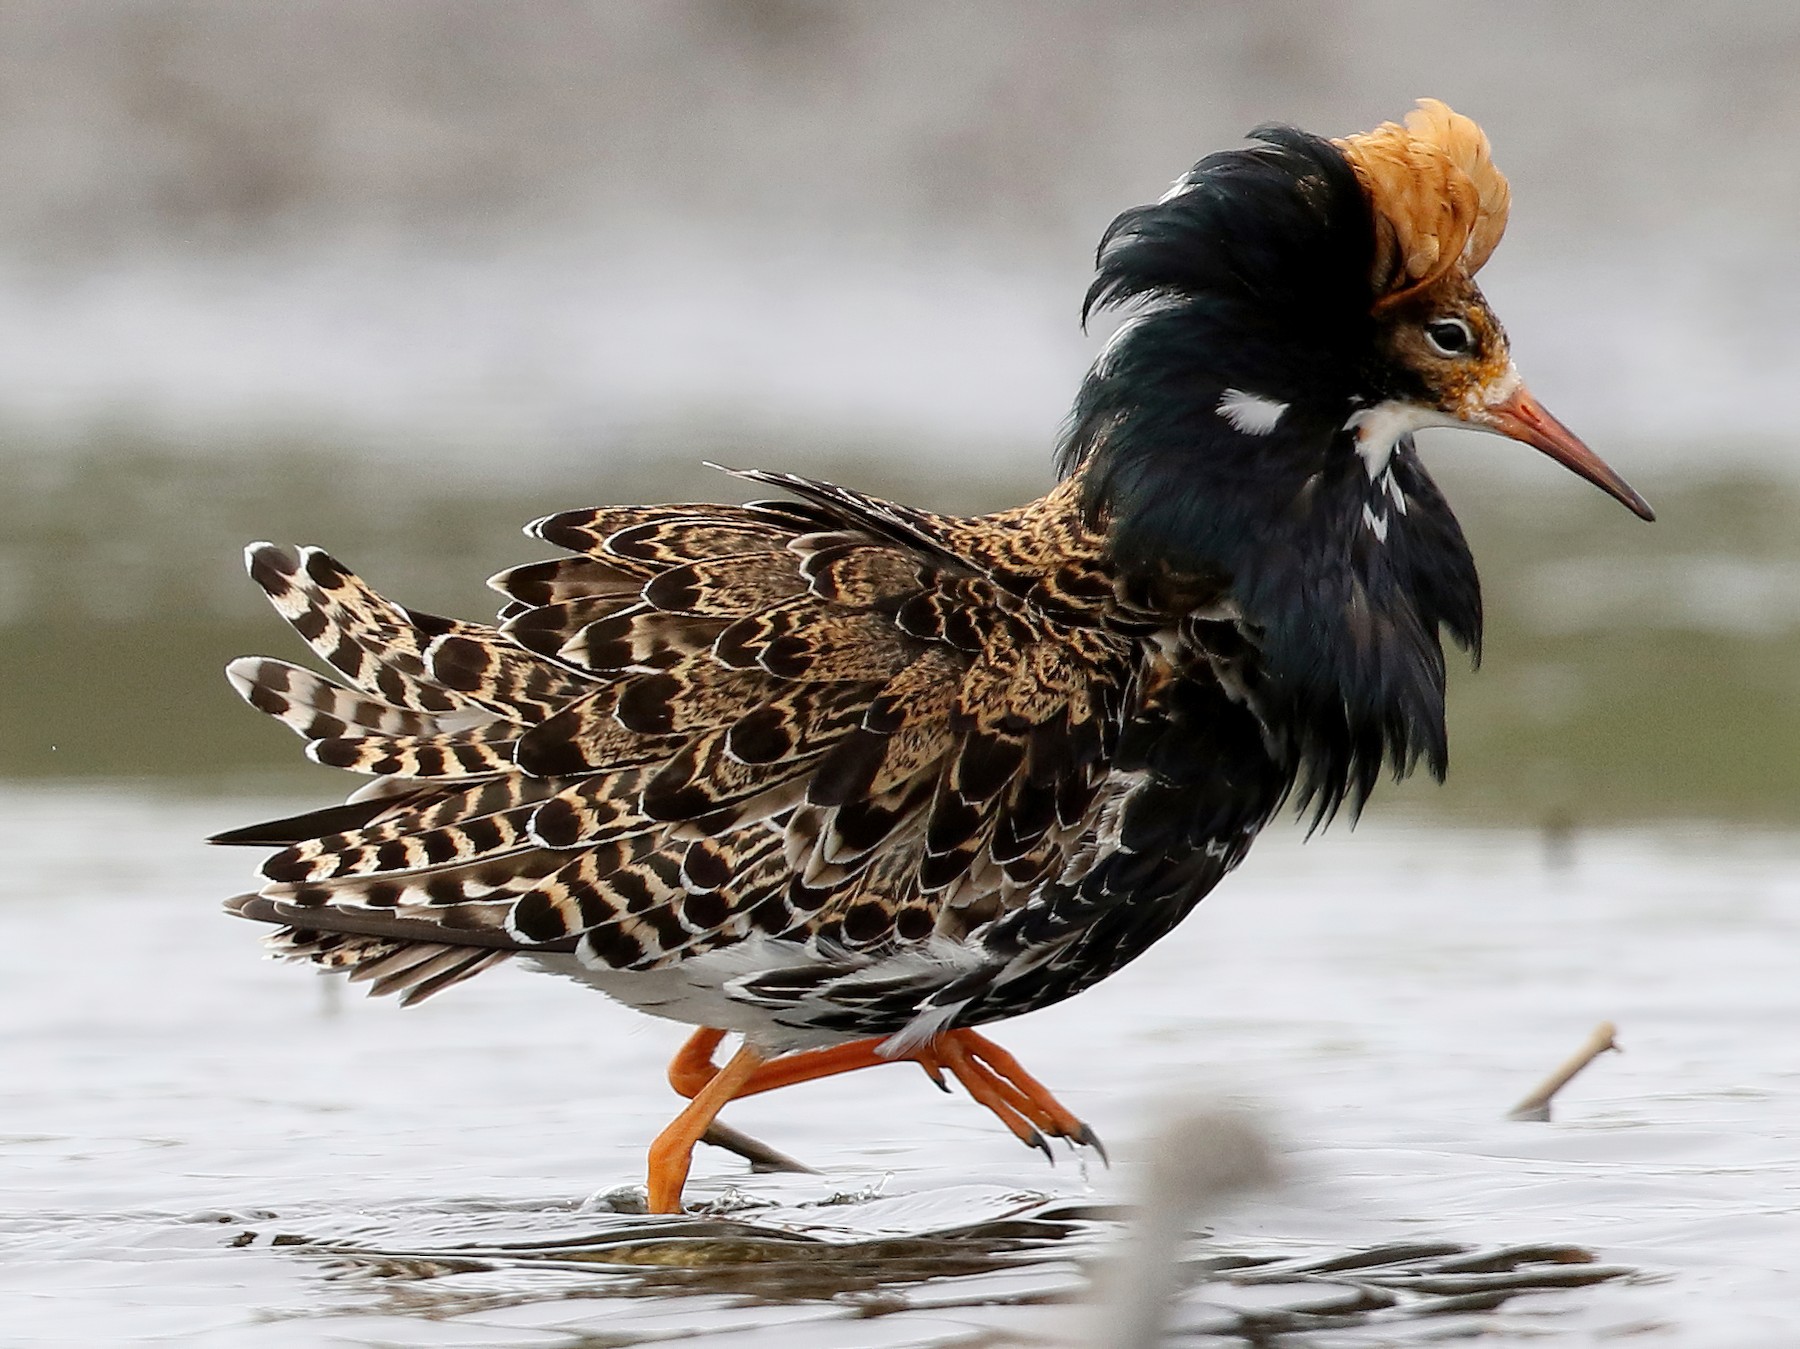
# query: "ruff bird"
[[849, 779]]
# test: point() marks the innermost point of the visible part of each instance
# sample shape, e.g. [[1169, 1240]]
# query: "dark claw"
[[1036, 1140], [1087, 1138]]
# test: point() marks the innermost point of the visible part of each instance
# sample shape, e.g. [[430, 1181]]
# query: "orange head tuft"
[[1439, 202]]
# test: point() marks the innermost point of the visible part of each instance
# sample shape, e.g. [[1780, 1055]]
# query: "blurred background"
[[395, 278]]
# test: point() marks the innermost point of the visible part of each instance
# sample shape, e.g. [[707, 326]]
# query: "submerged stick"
[[1537, 1105], [760, 1155]]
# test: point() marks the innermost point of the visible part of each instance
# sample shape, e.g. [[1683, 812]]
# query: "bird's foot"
[[996, 1079]]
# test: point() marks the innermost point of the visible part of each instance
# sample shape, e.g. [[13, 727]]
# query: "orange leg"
[[987, 1072], [692, 1067], [673, 1151]]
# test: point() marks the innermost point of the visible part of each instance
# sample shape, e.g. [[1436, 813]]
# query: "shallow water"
[[201, 1147]]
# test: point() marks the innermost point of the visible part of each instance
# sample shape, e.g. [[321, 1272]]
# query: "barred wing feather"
[[814, 725]]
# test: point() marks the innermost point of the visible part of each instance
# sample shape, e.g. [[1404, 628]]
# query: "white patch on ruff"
[[1250, 413], [1393, 490], [1378, 430], [1378, 524]]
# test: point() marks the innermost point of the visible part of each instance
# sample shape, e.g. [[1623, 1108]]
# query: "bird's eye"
[[1449, 337]]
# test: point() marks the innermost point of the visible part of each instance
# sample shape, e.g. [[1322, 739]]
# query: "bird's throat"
[[1380, 429]]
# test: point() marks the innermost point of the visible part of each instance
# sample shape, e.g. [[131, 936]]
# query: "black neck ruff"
[[1254, 277]]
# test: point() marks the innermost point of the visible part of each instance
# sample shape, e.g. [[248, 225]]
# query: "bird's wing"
[[806, 721]]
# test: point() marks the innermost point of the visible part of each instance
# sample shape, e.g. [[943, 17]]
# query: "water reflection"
[[724, 1274]]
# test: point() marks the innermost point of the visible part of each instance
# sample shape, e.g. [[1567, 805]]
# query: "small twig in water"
[[760, 1155], [1537, 1105]]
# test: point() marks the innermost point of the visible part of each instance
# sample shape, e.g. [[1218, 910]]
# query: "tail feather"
[[385, 923], [493, 879], [317, 708], [373, 642], [486, 668], [314, 823], [461, 754], [424, 982], [410, 965], [400, 845], [414, 970], [406, 887], [567, 578], [642, 540]]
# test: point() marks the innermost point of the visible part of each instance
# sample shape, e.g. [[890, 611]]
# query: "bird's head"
[[1438, 207], [1302, 307]]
